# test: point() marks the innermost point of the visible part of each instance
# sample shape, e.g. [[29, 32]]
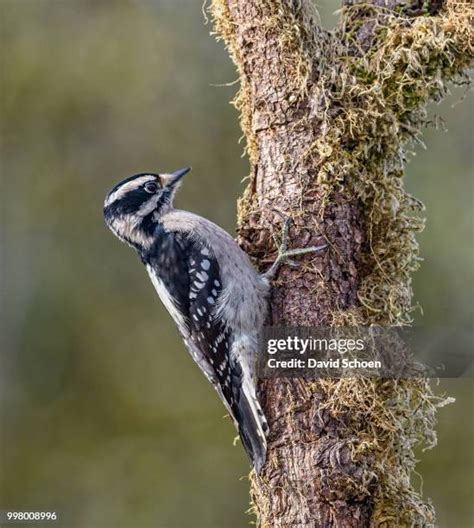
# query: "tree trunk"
[[327, 116]]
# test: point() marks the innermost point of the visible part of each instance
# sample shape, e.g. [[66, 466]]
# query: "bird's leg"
[[284, 253]]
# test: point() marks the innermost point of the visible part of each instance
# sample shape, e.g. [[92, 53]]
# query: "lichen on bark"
[[328, 118]]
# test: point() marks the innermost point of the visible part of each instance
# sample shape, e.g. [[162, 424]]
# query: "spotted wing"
[[187, 278]]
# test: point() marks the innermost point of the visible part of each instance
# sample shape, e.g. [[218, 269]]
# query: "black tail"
[[252, 425]]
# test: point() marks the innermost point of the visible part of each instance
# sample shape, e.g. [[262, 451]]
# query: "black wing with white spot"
[[188, 281], [187, 278]]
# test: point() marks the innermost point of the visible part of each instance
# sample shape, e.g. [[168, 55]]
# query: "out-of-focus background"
[[104, 415]]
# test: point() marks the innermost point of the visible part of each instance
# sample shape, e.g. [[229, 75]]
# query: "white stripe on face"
[[149, 205], [127, 187]]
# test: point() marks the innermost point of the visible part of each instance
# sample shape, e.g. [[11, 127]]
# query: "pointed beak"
[[170, 180]]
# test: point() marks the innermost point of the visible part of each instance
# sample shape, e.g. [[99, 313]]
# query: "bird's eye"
[[151, 187]]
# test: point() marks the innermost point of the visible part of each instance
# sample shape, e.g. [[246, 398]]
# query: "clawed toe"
[[292, 263], [284, 252]]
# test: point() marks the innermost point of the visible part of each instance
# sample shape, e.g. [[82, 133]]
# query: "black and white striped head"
[[134, 206]]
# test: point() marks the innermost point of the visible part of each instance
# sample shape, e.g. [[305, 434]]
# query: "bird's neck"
[[137, 232]]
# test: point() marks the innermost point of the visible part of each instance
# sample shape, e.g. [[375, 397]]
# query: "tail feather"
[[252, 426]]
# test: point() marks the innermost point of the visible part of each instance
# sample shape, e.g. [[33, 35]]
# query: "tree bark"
[[327, 116]]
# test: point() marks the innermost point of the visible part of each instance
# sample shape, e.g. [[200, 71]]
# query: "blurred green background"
[[104, 415]]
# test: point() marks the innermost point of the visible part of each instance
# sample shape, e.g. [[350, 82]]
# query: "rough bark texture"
[[326, 116]]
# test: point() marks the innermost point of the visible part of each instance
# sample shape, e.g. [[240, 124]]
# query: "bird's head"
[[135, 205]]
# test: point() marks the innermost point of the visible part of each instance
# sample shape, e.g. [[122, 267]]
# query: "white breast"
[[165, 297]]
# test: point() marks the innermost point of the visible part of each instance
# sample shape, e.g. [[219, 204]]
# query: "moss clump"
[[382, 109]]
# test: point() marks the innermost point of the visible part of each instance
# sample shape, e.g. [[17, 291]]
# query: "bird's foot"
[[284, 253]]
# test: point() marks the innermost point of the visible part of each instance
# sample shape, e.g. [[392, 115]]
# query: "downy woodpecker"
[[209, 287]]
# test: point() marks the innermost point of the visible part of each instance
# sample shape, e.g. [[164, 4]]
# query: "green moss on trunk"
[[360, 93]]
